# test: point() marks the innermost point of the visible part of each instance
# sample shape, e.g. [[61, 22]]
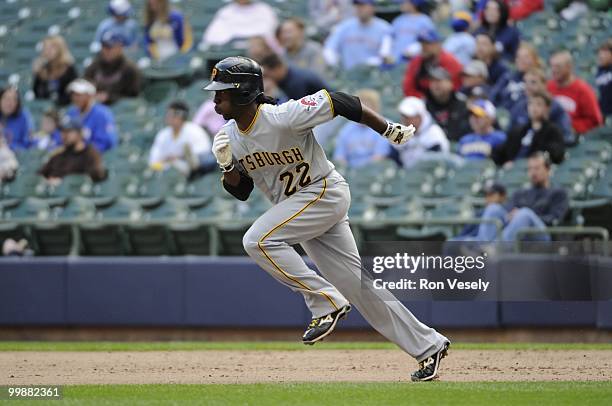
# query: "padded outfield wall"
[[223, 292]]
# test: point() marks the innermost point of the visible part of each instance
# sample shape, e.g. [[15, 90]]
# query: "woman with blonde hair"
[[167, 31], [54, 70], [511, 87]]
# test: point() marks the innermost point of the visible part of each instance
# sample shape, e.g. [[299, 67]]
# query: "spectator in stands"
[[53, 71], [603, 78], [48, 137], [293, 81], [97, 119], [167, 31], [487, 53], [416, 79], [259, 47], [539, 206], [240, 19], [539, 134], [361, 40], [207, 118], [121, 21], [8, 161], [461, 43], [511, 86], [475, 76], [429, 141], [519, 9], [74, 157], [407, 26], [494, 22], [15, 120], [300, 51], [495, 193], [535, 82], [358, 145], [446, 106], [575, 95], [181, 143], [111, 72], [485, 138], [326, 14]]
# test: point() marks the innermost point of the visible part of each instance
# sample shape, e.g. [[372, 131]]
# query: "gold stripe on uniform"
[[331, 103], [252, 122], [291, 278]]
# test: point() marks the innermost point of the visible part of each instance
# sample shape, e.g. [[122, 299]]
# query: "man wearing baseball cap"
[[446, 106], [120, 20], [485, 138], [98, 120], [407, 26], [429, 140], [113, 74], [361, 40], [475, 75], [416, 80], [74, 156]]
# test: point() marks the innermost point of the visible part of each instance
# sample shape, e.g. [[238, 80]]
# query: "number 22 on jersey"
[[301, 171]]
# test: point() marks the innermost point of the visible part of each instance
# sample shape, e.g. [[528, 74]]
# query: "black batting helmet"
[[242, 75]]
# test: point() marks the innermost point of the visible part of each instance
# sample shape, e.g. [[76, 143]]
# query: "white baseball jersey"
[[278, 150]]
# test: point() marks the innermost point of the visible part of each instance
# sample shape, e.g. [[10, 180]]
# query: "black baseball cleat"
[[321, 327], [428, 368]]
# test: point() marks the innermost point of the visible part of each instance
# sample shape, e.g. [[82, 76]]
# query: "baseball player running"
[[273, 147]]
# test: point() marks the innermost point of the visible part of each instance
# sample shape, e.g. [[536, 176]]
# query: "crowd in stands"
[[455, 87]]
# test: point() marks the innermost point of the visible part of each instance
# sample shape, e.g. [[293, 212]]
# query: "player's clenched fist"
[[398, 133], [222, 150]]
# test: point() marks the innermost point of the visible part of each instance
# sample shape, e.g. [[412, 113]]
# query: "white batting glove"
[[399, 134], [223, 152]]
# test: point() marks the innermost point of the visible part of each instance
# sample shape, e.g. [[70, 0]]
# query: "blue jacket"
[[17, 130], [519, 116], [603, 80], [99, 123], [508, 38], [300, 82], [508, 89]]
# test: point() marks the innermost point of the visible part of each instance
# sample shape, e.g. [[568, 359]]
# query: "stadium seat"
[[105, 235], [191, 238]]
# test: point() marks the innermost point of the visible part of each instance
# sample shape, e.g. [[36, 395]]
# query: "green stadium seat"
[[30, 209], [52, 238], [159, 92], [149, 239], [104, 235], [191, 238]]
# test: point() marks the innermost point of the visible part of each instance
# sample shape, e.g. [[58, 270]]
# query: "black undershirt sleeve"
[[244, 188], [347, 105]]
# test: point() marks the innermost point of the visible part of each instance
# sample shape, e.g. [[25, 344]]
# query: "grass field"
[[311, 393], [436, 393]]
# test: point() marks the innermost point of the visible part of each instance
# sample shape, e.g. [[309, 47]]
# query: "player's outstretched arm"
[[351, 107]]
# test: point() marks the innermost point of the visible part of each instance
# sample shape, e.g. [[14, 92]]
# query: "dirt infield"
[[65, 368]]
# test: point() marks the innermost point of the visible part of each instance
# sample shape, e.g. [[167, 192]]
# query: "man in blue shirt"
[[120, 21], [603, 79], [98, 120], [358, 145], [407, 26], [293, 81], [485, 138], [361, 40]]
